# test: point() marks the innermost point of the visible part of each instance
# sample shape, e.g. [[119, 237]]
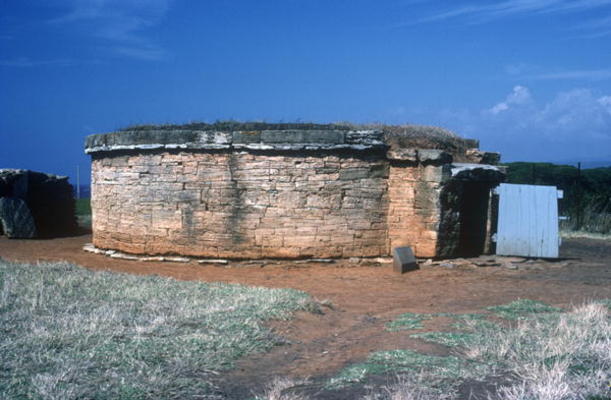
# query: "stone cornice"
[[279, 140]]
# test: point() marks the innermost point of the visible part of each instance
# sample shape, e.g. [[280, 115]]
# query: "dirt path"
[[363, 299]]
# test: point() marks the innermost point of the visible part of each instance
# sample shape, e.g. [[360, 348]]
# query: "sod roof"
[[333, 136]]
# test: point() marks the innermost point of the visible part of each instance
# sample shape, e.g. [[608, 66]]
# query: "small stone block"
[[404, 260]]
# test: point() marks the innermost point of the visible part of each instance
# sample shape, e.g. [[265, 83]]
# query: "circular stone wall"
[[286, 193], [255, 190]]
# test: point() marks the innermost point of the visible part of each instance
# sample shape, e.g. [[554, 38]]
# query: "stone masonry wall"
[[250, 205], [414, 210]]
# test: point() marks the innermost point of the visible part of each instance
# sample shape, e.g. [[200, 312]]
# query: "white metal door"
[[527, 221]]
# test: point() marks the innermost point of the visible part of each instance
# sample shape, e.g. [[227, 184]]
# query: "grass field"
[[82, 206], [82, 209], [549, 355], [70, 333]]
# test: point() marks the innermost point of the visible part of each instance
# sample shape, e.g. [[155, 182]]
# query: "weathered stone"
[[124, 256], [255, 139], [151, 259], [16, 219], [477, 172], [434, 155], [49, 199], [402, 154], [323, 192], [177, 259], [302, 136], [478, 156], [14, 183], [213, 261], [404, 260], [367, 138], [246, 136]]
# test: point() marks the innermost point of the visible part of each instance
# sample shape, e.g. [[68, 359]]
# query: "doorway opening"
[[473, 220]]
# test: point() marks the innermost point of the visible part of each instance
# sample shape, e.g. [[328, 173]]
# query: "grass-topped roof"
[[248, 134]]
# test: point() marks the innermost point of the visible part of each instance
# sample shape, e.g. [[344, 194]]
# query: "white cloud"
[[592, 74], [605, 102], [490, 11], [574, 124], [571, 125], [121, 24], [532, 72], [577, 112], [519, 96], [595, 28], [25, 62], [501, 9]]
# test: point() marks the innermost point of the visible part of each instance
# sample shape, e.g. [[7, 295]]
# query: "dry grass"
[[555, 357], [422, 137], [70, 333], [238, 126], [409, 387], [584, 234], [550, 357], [283, 389], [410, 136], [591, 219]]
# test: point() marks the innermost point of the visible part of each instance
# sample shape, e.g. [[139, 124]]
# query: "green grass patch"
[[67, 332], [413, 321], [395, 362], [469, 317], [408, 321], [548, 354], [604, 302], [82, 206], [473, 323], [523, 308], [450, 339], [471, 328]]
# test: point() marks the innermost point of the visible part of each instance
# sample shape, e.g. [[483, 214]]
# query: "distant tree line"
[[587, 192]]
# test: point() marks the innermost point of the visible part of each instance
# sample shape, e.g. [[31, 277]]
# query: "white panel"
[[528, 221]]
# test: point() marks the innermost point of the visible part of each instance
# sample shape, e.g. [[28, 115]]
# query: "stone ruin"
[[35, 204], [255, 190]]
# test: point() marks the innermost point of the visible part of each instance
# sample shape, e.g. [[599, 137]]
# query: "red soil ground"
[[363, 299]]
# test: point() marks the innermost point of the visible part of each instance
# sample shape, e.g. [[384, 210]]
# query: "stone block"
[[350, 174], [402, 154], [246, 137], [379, 171], [432, 173], [483, 157], [434, 155], [16, 219], [49, 199], [404, 260], [302, 136], [271, 204]]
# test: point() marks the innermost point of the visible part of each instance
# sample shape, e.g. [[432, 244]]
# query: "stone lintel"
[[433, 155], [478, 172], [429, 156], [478, 156], [282, 140]]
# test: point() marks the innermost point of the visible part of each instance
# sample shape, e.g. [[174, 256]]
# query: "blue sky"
[[528, 78]]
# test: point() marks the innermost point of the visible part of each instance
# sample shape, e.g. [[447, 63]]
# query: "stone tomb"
[[35, 204], [244, 191]]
